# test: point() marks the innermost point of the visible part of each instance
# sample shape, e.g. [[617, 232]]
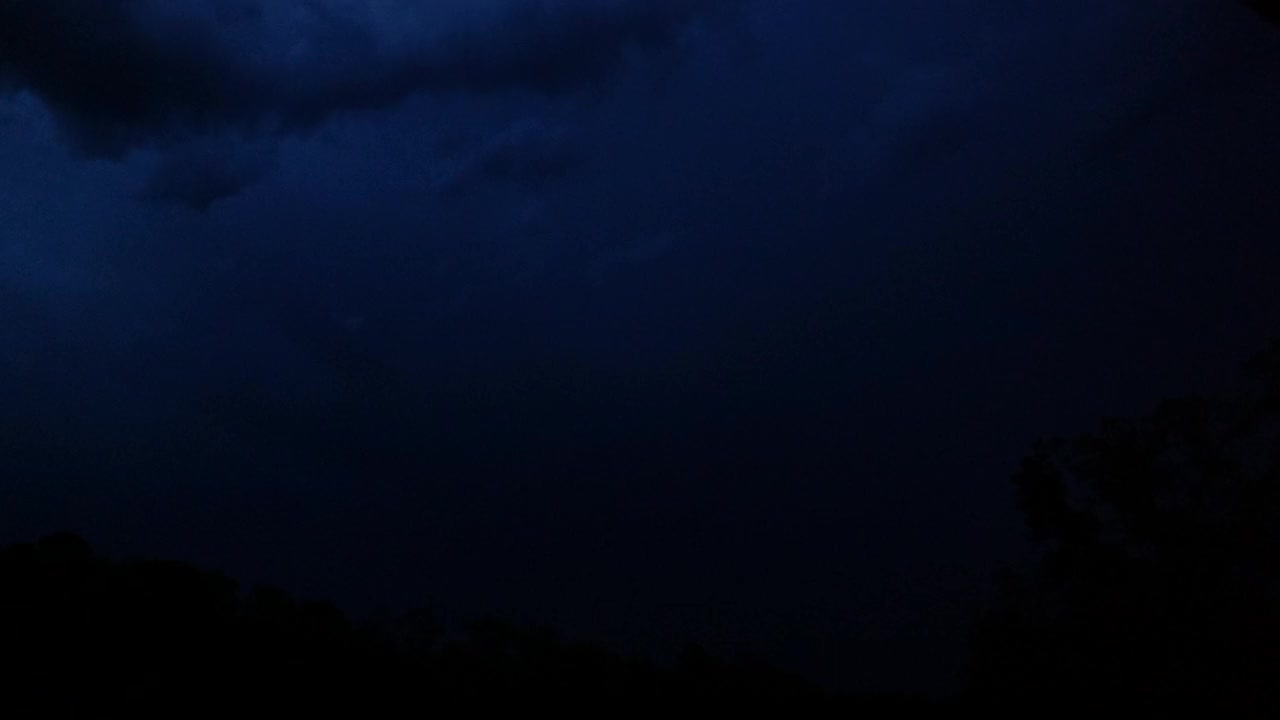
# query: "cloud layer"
[[124, 74]]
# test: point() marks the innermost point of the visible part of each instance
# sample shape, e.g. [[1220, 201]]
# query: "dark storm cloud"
[[117, 74], [525, 155], [553, 47], [124, 74], [120, 74], [199, 173]]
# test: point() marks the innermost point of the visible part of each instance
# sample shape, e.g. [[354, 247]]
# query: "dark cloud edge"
[[119, 76]]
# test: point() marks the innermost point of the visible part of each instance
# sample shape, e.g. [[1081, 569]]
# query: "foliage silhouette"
[[156, 632], [1269, 9], [1158, 582]]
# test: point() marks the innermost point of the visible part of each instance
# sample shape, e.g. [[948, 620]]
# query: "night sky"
[[654, 320]]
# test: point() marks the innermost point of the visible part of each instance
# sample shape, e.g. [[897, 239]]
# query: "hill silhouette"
[[77, 625]]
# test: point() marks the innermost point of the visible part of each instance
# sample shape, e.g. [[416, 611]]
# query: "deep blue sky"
[[718, 319]]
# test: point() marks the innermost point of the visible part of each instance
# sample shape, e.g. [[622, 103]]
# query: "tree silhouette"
[[153, 630], [1159, 578], [1269, 9]]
